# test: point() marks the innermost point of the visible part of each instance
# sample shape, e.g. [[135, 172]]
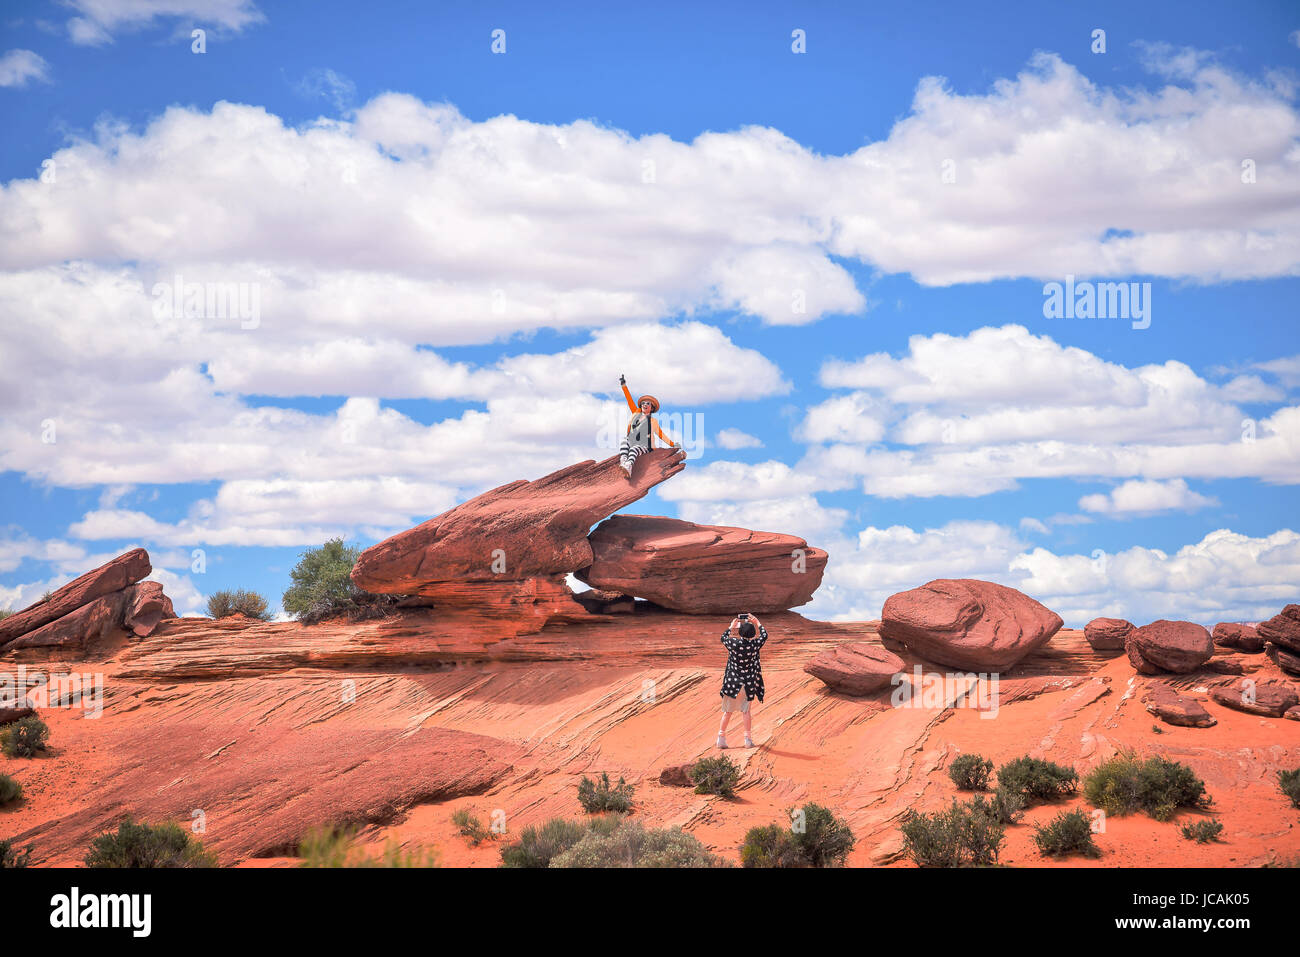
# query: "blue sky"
[[455, 252]]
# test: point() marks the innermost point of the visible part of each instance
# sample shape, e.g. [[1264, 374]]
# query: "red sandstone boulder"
[[518, 531], [79, 629], [598, 601], [1229, 634], [856, 668], [1271, 699], [702, 569], [1293, 713], [146, 607], [127, 569], [677, 776], [1283, 629], [1107, 634], [969, 624], [1284, 659], [15, 713], [1177, 646], [1172, 708]]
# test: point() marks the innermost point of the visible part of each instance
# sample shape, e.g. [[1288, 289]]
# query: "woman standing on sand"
[[640, 429], [744, 672]]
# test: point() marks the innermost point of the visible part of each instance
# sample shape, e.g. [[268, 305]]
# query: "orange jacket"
[[654, 426]]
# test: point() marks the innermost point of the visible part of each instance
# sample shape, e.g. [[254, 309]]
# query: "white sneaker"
[[721, 742], [749, 742]]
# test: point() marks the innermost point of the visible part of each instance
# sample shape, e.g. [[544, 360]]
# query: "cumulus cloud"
[[98, 20], [17, 67], [1138, 497], [736, 439]]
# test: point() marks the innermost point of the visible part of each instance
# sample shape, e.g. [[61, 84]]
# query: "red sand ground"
[[251, 724]]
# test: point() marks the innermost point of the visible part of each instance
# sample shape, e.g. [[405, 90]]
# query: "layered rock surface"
[[703, 569], [967, 623], [127, 569]]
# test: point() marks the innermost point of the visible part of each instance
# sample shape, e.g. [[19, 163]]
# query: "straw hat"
[[654, 403]]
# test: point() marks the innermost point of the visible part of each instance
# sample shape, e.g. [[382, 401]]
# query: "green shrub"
[[1036, 779], [598, 796], [5, 613], [334, 847], [24, 737], [1202, 832], [11, 858], [10, 790], [965, 835], [538, 845], [630, 844], [322, 584], [1159, 787], [816, 838], [1070, 832], [718, 775], [224, 603], [148, 845], [1289, 783], [471, 827], [1005, 806], [970, 772]]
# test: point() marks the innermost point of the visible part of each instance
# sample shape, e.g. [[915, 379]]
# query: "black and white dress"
[[744, 672]]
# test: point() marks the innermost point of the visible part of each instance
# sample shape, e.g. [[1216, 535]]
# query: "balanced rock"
[[1271, 699], [1173, 708], [970, 624], [1283, 629], [856, 668], [1230, 634], [702, 569], [146, 607], [1107, 634], [517, 531], [127, 569], [1177, 646]]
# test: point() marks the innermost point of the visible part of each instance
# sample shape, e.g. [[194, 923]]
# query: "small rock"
[[1242, 637], [1107, 634], [855, 668], [677, 776], [1272, 700], [1172, 708]]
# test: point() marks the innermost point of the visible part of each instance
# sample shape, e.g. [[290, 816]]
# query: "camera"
[[743, 616]]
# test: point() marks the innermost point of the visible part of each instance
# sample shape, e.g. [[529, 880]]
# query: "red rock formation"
[[1107, 634], [146, 607], [856, 668], [1271, 699], [1283, 658], [127, 569], [1242, 637], [969, 624], [702, 569], [80, 629], [602, 602], [1173, 708], [1177, 646], [1283, 629], [518, 531]]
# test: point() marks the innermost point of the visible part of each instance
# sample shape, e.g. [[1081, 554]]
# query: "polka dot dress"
[[743, 668]]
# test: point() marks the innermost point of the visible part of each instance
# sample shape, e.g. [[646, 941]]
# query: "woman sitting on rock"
[[640, 429], [744, 673]]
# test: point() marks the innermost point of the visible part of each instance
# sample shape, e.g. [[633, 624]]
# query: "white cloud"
[[800, 515], [736, 439], [100, 19], [19, 66], [1138, 497]]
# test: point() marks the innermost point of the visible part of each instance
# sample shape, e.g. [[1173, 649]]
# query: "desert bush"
[[816, 838], [24, 737], [970, 772], [10, 790], [224, 603], [717, 775], [965, 835], [1159, 787], [1005, 806], [597, 796], [335, 847], [471, 827], [11, 858], [1202, 832], [630, 844], [1070, 832], [5, 613], [1289, 783], [148, 845], [537, 846], [1036, 779], [323, 588]]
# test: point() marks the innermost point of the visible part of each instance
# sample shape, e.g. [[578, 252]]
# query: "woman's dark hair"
[[747, 629]]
